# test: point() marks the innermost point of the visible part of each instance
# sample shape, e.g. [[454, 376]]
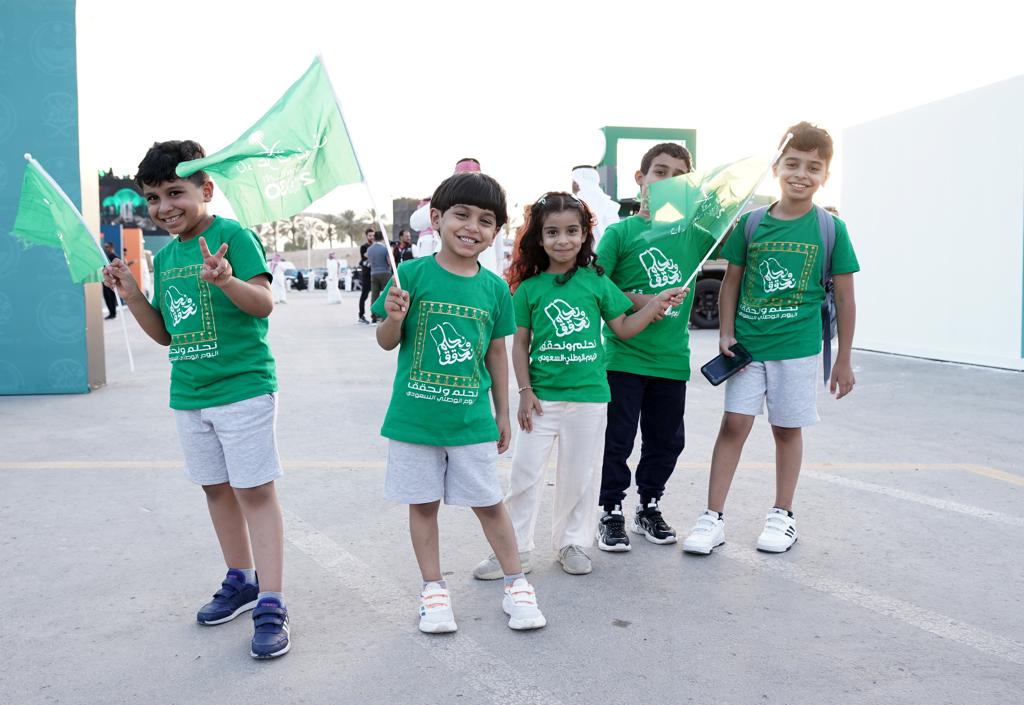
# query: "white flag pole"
[[369, 192], [74, 208]]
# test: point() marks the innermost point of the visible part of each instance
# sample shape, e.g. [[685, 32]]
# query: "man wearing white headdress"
[[586, 183], [333, 275], [277, 280]]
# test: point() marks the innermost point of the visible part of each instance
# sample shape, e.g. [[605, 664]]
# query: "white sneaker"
[[520, 604], [436, 616], [779, 533], [706, 535]]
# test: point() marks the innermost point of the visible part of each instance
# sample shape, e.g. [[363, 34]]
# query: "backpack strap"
[[827, 231], [753, 220]]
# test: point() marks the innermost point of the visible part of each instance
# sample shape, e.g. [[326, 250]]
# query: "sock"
[[720, 514], [784, 510], [509, 579], [612, 507], [249, 573], [443, 584], [279, 596]]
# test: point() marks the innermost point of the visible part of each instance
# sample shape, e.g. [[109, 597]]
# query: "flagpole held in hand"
[[56, 187], [369, 192]]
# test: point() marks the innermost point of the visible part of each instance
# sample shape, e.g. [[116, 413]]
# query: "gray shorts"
[[789, 386], [466, 476], [234, 443]]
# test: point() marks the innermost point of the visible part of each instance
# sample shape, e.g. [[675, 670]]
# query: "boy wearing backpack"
[[785, 263]]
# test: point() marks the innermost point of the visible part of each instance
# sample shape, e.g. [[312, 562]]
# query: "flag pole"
[[56, 187], [778, 153], [373, 203]]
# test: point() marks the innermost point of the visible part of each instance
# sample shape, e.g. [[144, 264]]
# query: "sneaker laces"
[[615, 524], [653, 514], [573, 550]]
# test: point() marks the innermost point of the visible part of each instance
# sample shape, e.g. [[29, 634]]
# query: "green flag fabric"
[[705, 202], [46, 216], [296, 153]]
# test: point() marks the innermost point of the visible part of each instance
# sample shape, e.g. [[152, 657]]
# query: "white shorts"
[[462, 475], [234, 443], [789, 386]]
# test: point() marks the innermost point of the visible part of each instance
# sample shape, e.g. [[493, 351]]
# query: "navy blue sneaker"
[[233, 598], [271, 637]]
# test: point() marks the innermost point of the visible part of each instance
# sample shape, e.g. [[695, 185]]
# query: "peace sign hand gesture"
[[216, 269]]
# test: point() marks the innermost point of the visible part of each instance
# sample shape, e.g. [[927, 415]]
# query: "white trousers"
[[579, 428]]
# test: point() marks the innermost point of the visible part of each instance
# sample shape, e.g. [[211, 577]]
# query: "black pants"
[[658, 405], [110, 298], [364, 280]]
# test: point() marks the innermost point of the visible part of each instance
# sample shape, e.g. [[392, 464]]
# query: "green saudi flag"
[[46, 216], [704, 203], [296, 153]]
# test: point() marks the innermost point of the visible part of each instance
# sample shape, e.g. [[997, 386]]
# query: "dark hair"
[[529, 258], [472, 188], [163, 157], [368, 231], [378, 236], [468, 159], [403, 231], [807, 138], [676, 151]]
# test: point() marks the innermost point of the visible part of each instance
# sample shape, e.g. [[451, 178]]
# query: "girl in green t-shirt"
[[560, 298]]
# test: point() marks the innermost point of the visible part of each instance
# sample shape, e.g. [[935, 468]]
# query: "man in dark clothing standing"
[[380, 268], [403, 249], [364, 274]]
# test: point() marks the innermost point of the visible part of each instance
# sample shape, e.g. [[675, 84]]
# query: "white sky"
[[525, 86]]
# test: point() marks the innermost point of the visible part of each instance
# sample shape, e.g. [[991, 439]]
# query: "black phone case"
[[722, 368]]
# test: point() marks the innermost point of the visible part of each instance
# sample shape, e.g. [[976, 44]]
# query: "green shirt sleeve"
[[844, 259], [246, 255], [608, 247], [613, 302], [521, 306], [735, 249], [504, 317]]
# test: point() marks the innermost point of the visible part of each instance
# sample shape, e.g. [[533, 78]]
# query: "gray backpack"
[[827, 230]]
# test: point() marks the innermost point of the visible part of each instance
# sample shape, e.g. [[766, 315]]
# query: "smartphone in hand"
[[722, 368]]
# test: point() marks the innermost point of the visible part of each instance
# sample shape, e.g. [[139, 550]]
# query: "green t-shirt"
[[639, 266], [219, 354], [441, 382], [778, 315], [566, 355]]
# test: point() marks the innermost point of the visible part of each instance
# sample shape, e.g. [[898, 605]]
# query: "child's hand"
[[504, 432], [724, 343], [118, 277], [397, 303], [842, 378], [216, 269], [667, 299], [528, 403]]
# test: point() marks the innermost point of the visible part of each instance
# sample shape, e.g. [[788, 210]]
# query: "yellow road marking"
[[505, 463]]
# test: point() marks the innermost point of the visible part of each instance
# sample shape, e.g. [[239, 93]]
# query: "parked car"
[[320, 277]]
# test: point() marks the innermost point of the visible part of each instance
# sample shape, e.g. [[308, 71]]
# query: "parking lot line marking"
[[496, 682], [906, 612], [943, 504]]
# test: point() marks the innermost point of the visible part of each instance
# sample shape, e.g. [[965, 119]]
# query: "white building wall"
[[934, 199]]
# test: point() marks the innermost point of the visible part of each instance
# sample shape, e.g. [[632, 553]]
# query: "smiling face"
[[465, 230], [179, 206], [800, 175], [562, 238]]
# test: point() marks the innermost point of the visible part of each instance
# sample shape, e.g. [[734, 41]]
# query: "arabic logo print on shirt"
[[451, 347], [661, 271], [179, 305], [566, 318], [774, 276]]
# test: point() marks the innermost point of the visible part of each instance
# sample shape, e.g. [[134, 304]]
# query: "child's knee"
[[736, 426], [258, 495], [786, 435]]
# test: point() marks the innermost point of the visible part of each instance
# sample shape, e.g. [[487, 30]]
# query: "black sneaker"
[[234, 597], [270, 639], [362, 319], [649, 523], [611, 532]]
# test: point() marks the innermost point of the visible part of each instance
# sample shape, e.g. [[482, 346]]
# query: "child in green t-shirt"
[[561, 296], [449, 322], [211, 300], [770, 301], [647, 374]]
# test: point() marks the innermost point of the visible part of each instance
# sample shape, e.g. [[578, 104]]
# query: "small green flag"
[[46, 216], [296, 153], [703, 203]]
